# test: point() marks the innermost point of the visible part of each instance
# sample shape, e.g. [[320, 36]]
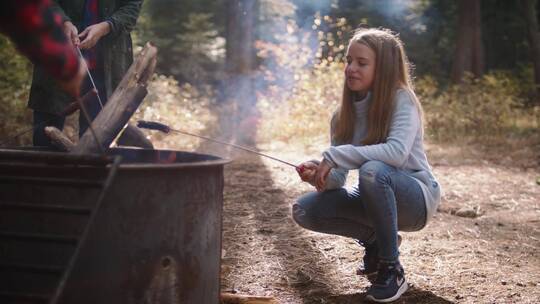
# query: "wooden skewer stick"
[[153, 125]]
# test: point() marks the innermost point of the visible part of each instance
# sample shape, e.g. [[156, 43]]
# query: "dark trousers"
[[43, 119]]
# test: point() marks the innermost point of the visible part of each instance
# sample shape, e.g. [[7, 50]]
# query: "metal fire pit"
[[155, 238]]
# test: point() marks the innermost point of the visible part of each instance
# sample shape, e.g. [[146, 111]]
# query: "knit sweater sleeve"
[[404, 126], [337, 176]]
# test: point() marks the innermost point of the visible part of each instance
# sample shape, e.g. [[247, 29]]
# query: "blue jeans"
[[386, 199]]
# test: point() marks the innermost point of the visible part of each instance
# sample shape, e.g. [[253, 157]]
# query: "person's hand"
[[73, 85], [71, 33], [307, 171], [321, 175], [92, 34]]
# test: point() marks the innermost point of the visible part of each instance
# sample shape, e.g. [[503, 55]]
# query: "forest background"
[[269, 74], [475, 65]]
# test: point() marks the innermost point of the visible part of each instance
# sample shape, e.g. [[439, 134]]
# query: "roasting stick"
[[91, 80], [83, 108], [152, 125]]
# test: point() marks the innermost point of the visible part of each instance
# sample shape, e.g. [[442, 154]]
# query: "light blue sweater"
[[403, 149]]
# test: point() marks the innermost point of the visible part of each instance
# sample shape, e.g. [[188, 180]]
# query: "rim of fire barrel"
[[218, 161], [166, 164]]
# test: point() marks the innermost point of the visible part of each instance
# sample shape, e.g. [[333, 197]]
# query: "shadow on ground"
[[413, 295]]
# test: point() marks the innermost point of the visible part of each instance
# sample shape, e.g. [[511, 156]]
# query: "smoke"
[[286, 43], [401, 13], [392, 8]]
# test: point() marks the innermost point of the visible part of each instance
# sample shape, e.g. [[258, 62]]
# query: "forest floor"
[[482, 246]]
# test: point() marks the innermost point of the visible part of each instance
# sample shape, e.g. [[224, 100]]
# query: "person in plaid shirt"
[[36, 29], [101, 30]]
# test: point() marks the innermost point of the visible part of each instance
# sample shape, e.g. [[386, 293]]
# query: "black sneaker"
[[371, 259], [389, 285]]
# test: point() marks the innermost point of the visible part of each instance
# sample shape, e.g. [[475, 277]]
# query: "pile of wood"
[[116, 113]]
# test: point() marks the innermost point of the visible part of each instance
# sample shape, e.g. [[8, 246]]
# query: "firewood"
[[134, 137], [125, 99], [59, 139], [230, 298]]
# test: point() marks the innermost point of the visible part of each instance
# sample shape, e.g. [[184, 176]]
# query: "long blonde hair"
[[392, 72]]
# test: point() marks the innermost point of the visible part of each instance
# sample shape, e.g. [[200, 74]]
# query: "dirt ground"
[[481, 247]]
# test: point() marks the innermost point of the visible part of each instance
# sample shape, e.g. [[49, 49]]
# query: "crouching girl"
[[377, 130]]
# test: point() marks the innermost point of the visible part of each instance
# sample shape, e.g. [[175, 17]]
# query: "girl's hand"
[[307, 171], [321, 175]]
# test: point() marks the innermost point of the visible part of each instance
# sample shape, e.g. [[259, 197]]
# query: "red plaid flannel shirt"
[[36, 29]]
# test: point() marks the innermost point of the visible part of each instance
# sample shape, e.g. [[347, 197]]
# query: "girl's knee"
[[299, 214], [303, 217], [302, 212], [373, 171]]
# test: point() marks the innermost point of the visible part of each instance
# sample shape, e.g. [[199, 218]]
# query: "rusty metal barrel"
[[156, 237]]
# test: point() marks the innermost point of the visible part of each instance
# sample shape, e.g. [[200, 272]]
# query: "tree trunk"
[[469, 54], [240, 52], [478, 61], [529, 11], [239, 86]]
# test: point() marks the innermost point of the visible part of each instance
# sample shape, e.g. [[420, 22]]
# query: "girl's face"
[[360, 69]]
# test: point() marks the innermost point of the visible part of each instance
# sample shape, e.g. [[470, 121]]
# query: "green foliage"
[[187, 36], [482, 109], [485, 109], [428, 29], [199, 50], [14, 84], [427, 47]]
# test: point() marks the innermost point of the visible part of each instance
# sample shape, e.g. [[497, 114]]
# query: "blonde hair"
[[392, 72]]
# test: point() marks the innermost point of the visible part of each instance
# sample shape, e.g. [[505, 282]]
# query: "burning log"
[[229, 298], [59, 139], [133, 136], [126, 98]]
